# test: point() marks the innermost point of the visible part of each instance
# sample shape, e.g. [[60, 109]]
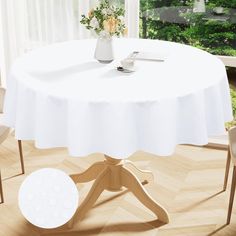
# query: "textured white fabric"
[[60, 96]]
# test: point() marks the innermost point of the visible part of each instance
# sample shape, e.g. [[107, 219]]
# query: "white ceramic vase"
[[199, 6], [104, 50]]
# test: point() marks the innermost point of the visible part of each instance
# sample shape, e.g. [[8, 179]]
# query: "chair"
[[4, 131], [231, 156]]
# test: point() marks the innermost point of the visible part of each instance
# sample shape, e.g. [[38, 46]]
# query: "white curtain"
[[27, 24]]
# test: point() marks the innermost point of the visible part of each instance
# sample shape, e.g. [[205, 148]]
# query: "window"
[[209, 25]]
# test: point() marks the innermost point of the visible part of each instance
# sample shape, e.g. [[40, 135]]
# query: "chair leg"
[[21, 157], [231, 199], [1, 191], [227, 170]]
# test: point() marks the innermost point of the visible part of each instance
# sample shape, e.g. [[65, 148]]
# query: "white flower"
[[104, 34], [109, 11], [94, 23], [121, 18], [104, 11]]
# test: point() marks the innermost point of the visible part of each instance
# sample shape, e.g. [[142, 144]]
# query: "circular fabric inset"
[[48, 198]]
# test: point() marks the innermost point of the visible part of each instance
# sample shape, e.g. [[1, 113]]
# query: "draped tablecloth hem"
[[156, 128], [117, 153]]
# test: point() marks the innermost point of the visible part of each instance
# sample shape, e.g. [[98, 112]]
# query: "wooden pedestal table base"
[[113, 174]]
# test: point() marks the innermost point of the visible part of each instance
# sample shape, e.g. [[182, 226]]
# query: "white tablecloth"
[[60, 96]]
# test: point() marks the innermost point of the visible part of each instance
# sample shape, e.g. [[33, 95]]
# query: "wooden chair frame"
[[22, 169], [3, 137], [233, 183], [1, 191]]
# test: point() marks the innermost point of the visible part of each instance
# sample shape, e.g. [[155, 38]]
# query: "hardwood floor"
[[188, 184]]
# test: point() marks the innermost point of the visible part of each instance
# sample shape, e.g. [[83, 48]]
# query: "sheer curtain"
[[27, 24], [132, 17]]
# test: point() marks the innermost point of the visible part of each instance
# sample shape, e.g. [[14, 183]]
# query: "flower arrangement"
[[106, 20]]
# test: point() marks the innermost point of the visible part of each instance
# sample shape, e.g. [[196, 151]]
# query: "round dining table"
[[60, 96]]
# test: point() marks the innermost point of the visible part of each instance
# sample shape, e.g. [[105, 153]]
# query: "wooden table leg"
[[112, 175], [98, 187], [90, 174], [145, 176], [131, 182]]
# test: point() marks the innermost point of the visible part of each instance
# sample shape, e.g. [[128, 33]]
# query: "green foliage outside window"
[[214, 36]]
